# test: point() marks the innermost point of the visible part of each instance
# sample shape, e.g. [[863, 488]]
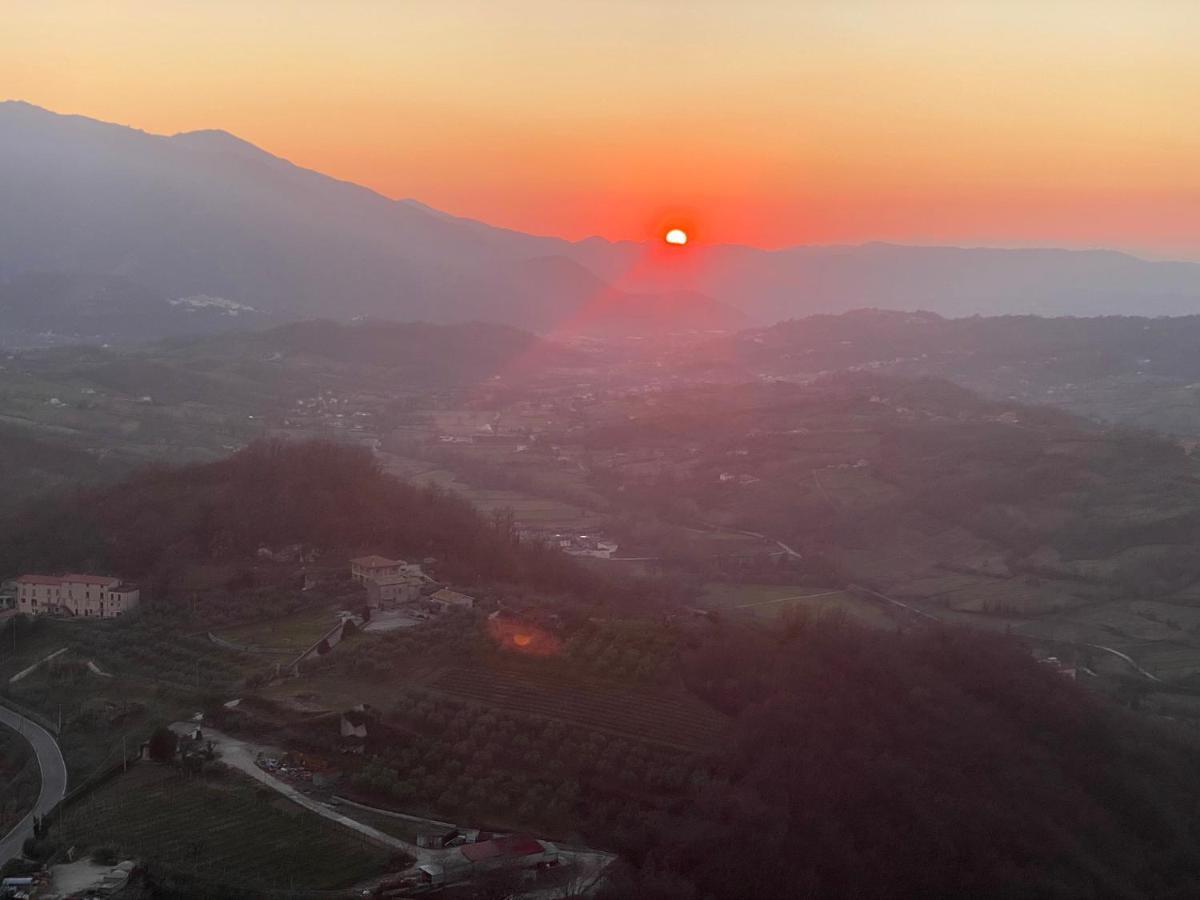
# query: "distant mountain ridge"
[[105, 229]]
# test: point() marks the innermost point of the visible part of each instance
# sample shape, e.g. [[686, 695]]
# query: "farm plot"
[[1167, 660], [218, 828], [1012, 596], [766, 602], [671, 718], [292, 634], [529, 510]]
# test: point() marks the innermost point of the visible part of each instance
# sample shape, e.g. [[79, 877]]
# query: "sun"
[[676, 236]]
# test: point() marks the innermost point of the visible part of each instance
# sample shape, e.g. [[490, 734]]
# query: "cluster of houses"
[[394, 582], [90, 596]]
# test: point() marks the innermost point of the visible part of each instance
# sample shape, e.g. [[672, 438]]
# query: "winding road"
[[588, 865], [54, 778]]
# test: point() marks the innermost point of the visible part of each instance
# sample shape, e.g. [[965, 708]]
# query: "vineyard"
[[218, 828], [669, 717]]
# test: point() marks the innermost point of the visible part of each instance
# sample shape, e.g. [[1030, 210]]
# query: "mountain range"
[[110, 233]]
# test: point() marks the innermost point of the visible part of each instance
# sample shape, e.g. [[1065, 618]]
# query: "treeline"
[[31, 464], [330, 497], [19, 779], [941, 763]]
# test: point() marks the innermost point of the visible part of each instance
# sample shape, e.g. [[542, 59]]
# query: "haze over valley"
[[622, 451]]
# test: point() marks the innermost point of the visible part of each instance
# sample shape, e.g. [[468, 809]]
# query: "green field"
[[219, 828], [293, 633], [528, 509], [766, 602]]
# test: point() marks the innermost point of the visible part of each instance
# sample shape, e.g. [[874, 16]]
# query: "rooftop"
[[106, 580], [376, 562], [39, 579], [513, 845], [103, 580], [448, 596]]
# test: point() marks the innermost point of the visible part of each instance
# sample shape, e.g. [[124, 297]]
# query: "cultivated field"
[[529, 510], [668, 717], [767, 602], [218, 828], [149, 674], [292, 634]]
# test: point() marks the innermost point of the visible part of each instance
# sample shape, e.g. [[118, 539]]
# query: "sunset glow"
[[930, 121]]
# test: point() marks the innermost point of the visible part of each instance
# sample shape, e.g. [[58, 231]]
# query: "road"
[[587, 864], [1127, 658], [898, 604], [790, 551], [54, 778], [241, 755]]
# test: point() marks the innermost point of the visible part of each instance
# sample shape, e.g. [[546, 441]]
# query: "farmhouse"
[[387, 580], [93, 596]]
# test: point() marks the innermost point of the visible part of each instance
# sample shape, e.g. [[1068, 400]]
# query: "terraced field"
[[671, 718], [218, 829]]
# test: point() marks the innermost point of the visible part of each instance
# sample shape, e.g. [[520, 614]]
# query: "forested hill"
[[938, 763], [328, 497]]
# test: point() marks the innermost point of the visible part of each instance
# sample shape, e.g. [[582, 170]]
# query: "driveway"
[[240, 755], [54, 778], [588, 865]]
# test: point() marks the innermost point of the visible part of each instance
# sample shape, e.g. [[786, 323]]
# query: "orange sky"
[[1017, 122]]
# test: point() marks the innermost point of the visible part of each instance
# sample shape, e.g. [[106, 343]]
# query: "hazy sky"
[[768, 123]]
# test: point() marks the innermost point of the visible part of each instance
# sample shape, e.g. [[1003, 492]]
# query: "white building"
[[93, 596]]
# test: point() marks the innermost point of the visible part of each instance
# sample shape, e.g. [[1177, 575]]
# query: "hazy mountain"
[[212, 221], [953, 281], [107, 232]]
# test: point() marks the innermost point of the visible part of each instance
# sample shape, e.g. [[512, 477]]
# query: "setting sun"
[[676, 236]]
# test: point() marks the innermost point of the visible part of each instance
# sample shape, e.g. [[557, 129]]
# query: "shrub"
[[163, 744], [105, 855]]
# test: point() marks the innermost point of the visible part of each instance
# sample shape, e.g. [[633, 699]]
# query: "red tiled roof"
[[376, 562], [514, 845], [39, 579], [106, 580]]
